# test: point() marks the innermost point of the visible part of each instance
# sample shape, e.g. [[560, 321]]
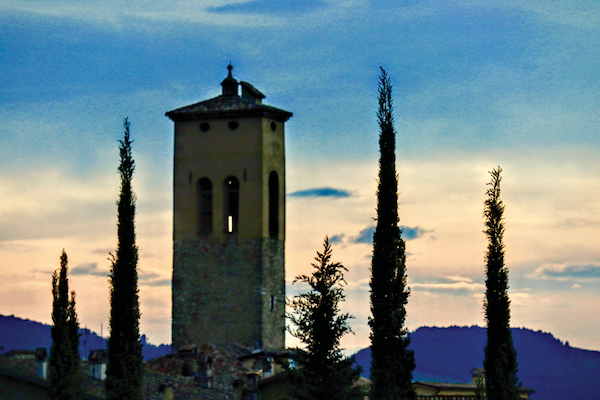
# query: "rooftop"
[[230, 105]]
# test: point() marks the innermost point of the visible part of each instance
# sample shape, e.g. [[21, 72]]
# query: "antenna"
[[85, 332]]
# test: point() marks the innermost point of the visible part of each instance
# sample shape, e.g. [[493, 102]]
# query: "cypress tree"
[[500, 362], [64, 373], [323, 372], [124, 372], [392, 362]]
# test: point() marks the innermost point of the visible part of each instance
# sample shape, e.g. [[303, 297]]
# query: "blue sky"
[[476, 84]]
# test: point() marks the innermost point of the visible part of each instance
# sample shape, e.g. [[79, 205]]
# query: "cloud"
[[567, 271], [160, 282], [360, 285], [117, 14], [411, 233], [321, 192], [364, 236], [150, 278], [15, 247], [88, 269], [408, 233], [104, 251], [522, 299], [337, 239], [270, 7], [454, 285], [145, 278]]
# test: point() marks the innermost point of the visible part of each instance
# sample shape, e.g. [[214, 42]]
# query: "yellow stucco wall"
[[249, 153]]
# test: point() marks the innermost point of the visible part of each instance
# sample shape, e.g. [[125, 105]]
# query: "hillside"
[[553, 369], [23, 334]]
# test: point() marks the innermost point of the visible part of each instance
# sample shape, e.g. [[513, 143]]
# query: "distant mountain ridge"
[[553, 369], [23, 334]]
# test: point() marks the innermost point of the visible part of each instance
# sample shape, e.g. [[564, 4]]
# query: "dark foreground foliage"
[[64, 374], [500, 361], [124, 372], [322, 372], [392, 361]]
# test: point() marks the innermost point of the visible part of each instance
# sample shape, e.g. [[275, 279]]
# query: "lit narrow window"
[[231, 204], [205, 206], [273, 204]]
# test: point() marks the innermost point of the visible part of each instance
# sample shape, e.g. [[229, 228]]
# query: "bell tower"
[[229, 220]]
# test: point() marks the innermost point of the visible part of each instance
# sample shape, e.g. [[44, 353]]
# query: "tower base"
[[232, 291]]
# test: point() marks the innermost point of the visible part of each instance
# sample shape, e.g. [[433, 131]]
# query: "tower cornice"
[[224, 107]]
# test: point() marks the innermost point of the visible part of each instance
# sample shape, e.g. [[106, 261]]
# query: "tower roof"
[[230, 104]]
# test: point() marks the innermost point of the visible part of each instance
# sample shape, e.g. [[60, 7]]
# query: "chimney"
[[41, 370], [251, 93]]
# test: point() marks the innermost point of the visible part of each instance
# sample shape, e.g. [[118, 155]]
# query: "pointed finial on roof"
[[229, 84]]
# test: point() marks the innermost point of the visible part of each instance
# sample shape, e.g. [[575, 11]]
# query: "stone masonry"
[[229, 292]]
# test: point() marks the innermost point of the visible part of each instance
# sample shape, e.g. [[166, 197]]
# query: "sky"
[[476, 85]]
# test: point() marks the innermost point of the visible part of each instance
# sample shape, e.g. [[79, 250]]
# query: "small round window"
[[273, 126], [204, 126], [233, 125]]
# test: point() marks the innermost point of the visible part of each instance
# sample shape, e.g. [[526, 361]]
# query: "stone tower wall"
[[222, 293]]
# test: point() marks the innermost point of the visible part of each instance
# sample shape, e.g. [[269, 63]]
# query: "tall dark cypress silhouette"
[[64, 373], [392, 362], [500, 362], [124, 372]]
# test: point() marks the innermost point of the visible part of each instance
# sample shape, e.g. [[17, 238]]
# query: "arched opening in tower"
[[232, 204], [205, 206], [273, 204]]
